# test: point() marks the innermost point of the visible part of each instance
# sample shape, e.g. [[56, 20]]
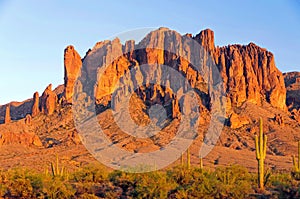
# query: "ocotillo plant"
[[261, 150], [295, 163]]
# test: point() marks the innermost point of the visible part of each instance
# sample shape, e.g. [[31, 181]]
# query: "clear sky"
[[33, 34]]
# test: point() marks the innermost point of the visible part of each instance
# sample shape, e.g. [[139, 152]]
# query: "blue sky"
[[33, 34]]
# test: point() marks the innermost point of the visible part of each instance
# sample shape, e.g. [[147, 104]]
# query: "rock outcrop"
[[292, 83], [248, 71], [296, 115], [250, 74], [28, 119], [72, 67], [7, 118], [26, 139], [48, 101], [278, 119], [35, 104], [236, 121]]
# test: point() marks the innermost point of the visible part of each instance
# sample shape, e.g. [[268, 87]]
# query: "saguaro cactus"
[[201, 162], [261, 150], [295, 163], [56, 171], [188, 158]]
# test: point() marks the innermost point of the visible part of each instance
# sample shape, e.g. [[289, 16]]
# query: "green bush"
[[153, 185], [57, 188], [126, 181], [284, 185], [91, 173], [225, 182], [21, 183], [232, 182]]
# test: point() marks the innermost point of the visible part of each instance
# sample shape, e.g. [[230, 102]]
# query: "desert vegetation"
[[96, 181]]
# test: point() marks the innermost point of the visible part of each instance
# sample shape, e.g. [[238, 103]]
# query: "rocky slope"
[[253, 85]]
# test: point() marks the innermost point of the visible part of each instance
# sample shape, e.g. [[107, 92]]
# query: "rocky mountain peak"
[[48, 101], [72, 68], [7, 118], [206, 39]]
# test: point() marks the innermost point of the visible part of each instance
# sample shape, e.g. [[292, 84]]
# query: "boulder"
[[236, 121]]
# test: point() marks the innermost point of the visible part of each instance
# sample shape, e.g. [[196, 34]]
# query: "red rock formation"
[[292, 83], [237, 121], [206, 39], [248, 72], [48, 101], [20, 138], [7, 118], [72, 66], [35, 105], [28, 119]]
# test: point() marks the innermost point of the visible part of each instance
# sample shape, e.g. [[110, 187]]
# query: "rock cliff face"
[[35, 104], [48, 101], [292, 83], [249, 72], [72, 67]]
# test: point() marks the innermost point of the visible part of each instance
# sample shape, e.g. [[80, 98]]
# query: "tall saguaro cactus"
[[188, 158], [201, 163], [295, 163], [261, 150]]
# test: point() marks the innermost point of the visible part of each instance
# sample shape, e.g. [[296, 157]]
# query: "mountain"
[[251, 85]]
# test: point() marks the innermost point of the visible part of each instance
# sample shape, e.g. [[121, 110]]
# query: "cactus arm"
[[261, 137], [57, 167], [53, 169], [295, 163], [257, 148], [265, 146], [182, 160]]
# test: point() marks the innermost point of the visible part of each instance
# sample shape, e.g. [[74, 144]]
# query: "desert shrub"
[[296, 175], [225, 182], [195, 183], [181, 175], [21, 183], [126, 181], [57, 187], [153, 185], [91, 173], [232, 182], [284, 185]]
